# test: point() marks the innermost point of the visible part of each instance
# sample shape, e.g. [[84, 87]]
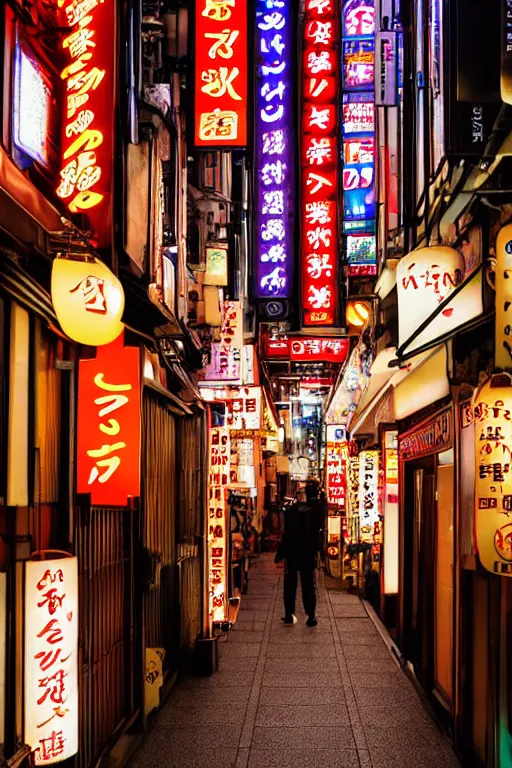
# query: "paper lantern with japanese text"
[[503, 281], [88, 300], [425, 278], [51, 659], [492, 413]]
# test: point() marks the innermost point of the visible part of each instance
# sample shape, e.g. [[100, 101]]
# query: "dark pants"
[[307, 583]]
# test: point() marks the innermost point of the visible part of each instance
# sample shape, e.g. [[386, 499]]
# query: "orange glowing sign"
[[109, 425], [87, 139], [221, 73]]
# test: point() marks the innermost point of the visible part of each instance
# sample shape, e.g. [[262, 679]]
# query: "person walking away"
[[299, 547]]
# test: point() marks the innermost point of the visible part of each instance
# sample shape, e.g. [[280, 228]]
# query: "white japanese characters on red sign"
[[51, 645]]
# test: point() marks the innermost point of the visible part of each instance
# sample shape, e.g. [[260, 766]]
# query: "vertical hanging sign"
[[217, 524], [221, 73], [319, 163], [274, 150], [88, 116], [108, 441], [369, 495], [51, 659]]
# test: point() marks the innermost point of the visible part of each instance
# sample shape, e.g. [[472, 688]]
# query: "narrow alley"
[[331, 696]]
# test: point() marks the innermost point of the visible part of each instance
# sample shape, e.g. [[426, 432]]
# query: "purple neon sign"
[[274, 121]]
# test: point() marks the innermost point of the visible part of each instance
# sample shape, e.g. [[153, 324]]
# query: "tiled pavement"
[[293, 697]]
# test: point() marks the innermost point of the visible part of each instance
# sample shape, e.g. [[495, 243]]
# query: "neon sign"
[[217, 534], [32, 101], [221, 73], [358, 18], [358, 114], [319, 163], [336, 471], [358, 64], [274, 146], [108, 450], [87, 146]]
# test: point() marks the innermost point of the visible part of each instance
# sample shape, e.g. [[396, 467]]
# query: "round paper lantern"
[[357, 313], [424, 279], [492, 414], [88, 300]]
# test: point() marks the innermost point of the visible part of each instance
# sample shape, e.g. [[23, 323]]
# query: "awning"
[[421, 382], [22, 287], [424, 385], [143, 315], [174, 403]]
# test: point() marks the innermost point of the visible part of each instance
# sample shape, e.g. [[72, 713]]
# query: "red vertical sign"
[[108, 454], [319, 163], [221, 73], [86, 174]]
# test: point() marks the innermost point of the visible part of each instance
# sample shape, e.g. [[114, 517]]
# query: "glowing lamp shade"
[[425, 278], [357, 313], [503, 352], [492, 407], [88, 300]]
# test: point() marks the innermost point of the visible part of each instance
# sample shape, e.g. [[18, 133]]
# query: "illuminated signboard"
[[358, 18], [32, 100], [310, 349], [218, 481], [87, 143], [221, 73], [243, 408], [358, 191], [369, 495], [108, 450], [358, 114], [336, 469], [216, 265], [358, 65], [319, 163], [51, 659], [492, 407], [275, 150], [226, 360], [361, 255]]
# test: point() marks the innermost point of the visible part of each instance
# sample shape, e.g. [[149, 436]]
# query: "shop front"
[[426, 597]]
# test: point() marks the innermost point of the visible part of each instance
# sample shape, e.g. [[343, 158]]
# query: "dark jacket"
[[301, 541]]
